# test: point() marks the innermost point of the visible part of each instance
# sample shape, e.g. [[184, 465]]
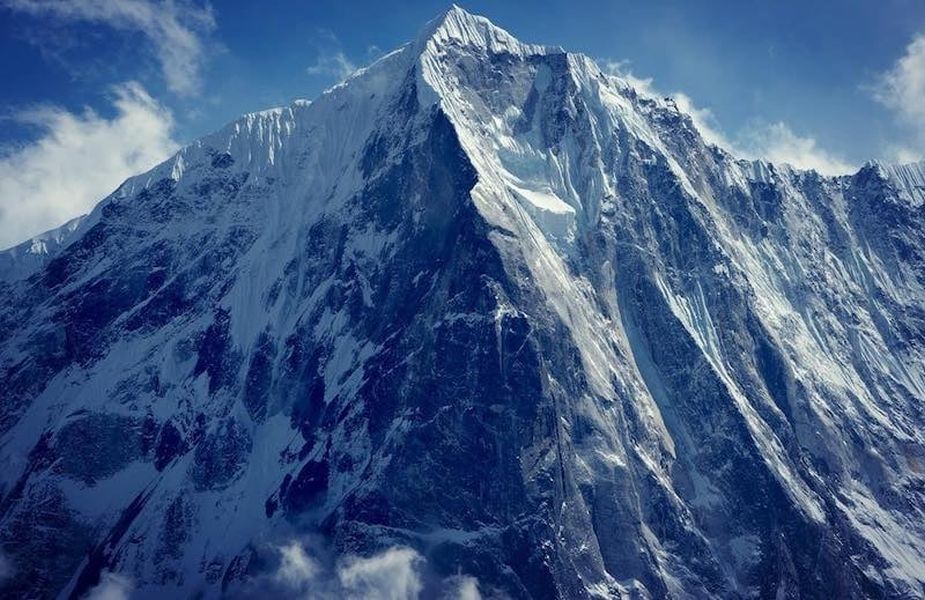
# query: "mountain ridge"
[[908, 176], [680, 374]]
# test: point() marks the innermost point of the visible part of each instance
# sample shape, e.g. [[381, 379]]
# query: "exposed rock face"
[[487, 302]]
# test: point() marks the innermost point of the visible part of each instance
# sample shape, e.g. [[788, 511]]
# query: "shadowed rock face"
[[486, 302]]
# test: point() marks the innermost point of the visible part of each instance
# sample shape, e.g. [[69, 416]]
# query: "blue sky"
[[821, 84]]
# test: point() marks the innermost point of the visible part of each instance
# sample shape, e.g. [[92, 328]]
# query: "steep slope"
[[487, 302]]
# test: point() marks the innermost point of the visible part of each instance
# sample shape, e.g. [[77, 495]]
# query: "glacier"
[[484, 303]]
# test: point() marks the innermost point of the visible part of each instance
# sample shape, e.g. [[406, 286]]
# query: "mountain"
[[488, 316]]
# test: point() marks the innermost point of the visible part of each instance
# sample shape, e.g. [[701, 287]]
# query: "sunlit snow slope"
[[484, 301]]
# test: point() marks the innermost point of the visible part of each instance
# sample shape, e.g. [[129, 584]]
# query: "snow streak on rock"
[[481, 308]]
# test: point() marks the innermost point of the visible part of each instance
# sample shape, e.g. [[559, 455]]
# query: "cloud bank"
[[78, 159]]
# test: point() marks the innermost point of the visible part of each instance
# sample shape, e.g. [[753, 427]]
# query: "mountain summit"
[[484, 315]]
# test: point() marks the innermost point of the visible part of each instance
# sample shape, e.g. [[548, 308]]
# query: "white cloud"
[[331, 61], [173, 28], [704, 120], [464, 587], [78, 160], [902, 90], [111, 587], [775, 142], [900, 154], [391, 575], [297, 569], [903, 87], [621, 69], [335, 65]]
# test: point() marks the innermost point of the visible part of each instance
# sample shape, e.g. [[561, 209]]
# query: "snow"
[[456, 26], [909, 178], [20, 261], [587, 196]]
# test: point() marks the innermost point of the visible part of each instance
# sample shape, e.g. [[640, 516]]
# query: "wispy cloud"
[[78, 159], [175, 29], [463, 587], [111, 587], [902, 90], [704, 120], [396, 573], [331, 61], [779, 144], [391, 575], [296, 567], [335, 65], [775, 142]]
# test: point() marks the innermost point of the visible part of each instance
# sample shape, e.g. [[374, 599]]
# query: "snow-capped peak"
[[463, 28], [679, 373]]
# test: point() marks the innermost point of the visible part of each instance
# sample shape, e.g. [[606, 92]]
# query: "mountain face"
[[490, 306]]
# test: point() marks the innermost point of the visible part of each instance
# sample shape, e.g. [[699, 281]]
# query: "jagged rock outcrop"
[[488, 302]]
